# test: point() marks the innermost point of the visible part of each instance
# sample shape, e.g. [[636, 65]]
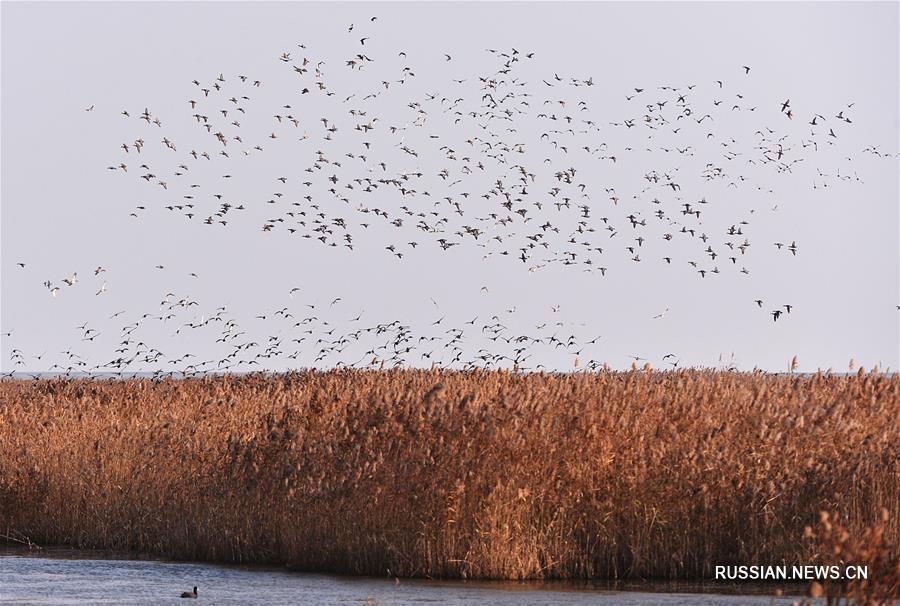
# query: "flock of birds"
[[522, 171], [326, 335]]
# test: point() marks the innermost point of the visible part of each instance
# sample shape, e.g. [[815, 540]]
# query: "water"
[[68, 580]]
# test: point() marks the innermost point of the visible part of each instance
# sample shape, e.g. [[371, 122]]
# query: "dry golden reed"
[[837, 545], [453, 474]]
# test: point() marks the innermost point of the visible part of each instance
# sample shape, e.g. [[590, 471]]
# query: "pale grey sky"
[[63, 211]]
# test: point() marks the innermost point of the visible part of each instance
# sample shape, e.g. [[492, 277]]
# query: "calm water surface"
[[73, 580]]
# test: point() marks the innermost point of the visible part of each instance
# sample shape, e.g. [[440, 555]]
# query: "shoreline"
[[705, 587]]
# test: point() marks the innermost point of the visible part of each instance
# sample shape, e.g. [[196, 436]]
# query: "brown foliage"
[[448, 474], [837, 545]]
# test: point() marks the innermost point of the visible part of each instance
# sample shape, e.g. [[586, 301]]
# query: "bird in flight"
[[507, 171]]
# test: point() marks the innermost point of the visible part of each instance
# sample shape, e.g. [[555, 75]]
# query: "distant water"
[[66, 580]]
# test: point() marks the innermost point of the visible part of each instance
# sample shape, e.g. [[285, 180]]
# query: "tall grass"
[[870, 549], [453, 474]]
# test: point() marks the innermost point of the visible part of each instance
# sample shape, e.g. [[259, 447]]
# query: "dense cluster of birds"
[[533, 172], [323, 334]]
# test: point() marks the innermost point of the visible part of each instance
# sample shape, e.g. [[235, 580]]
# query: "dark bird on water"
[[189, 594]]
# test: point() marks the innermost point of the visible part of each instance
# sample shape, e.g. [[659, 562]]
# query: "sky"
[[633, 80]]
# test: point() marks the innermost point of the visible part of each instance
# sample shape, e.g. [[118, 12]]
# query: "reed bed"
[[451, 474], [837, 545]]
